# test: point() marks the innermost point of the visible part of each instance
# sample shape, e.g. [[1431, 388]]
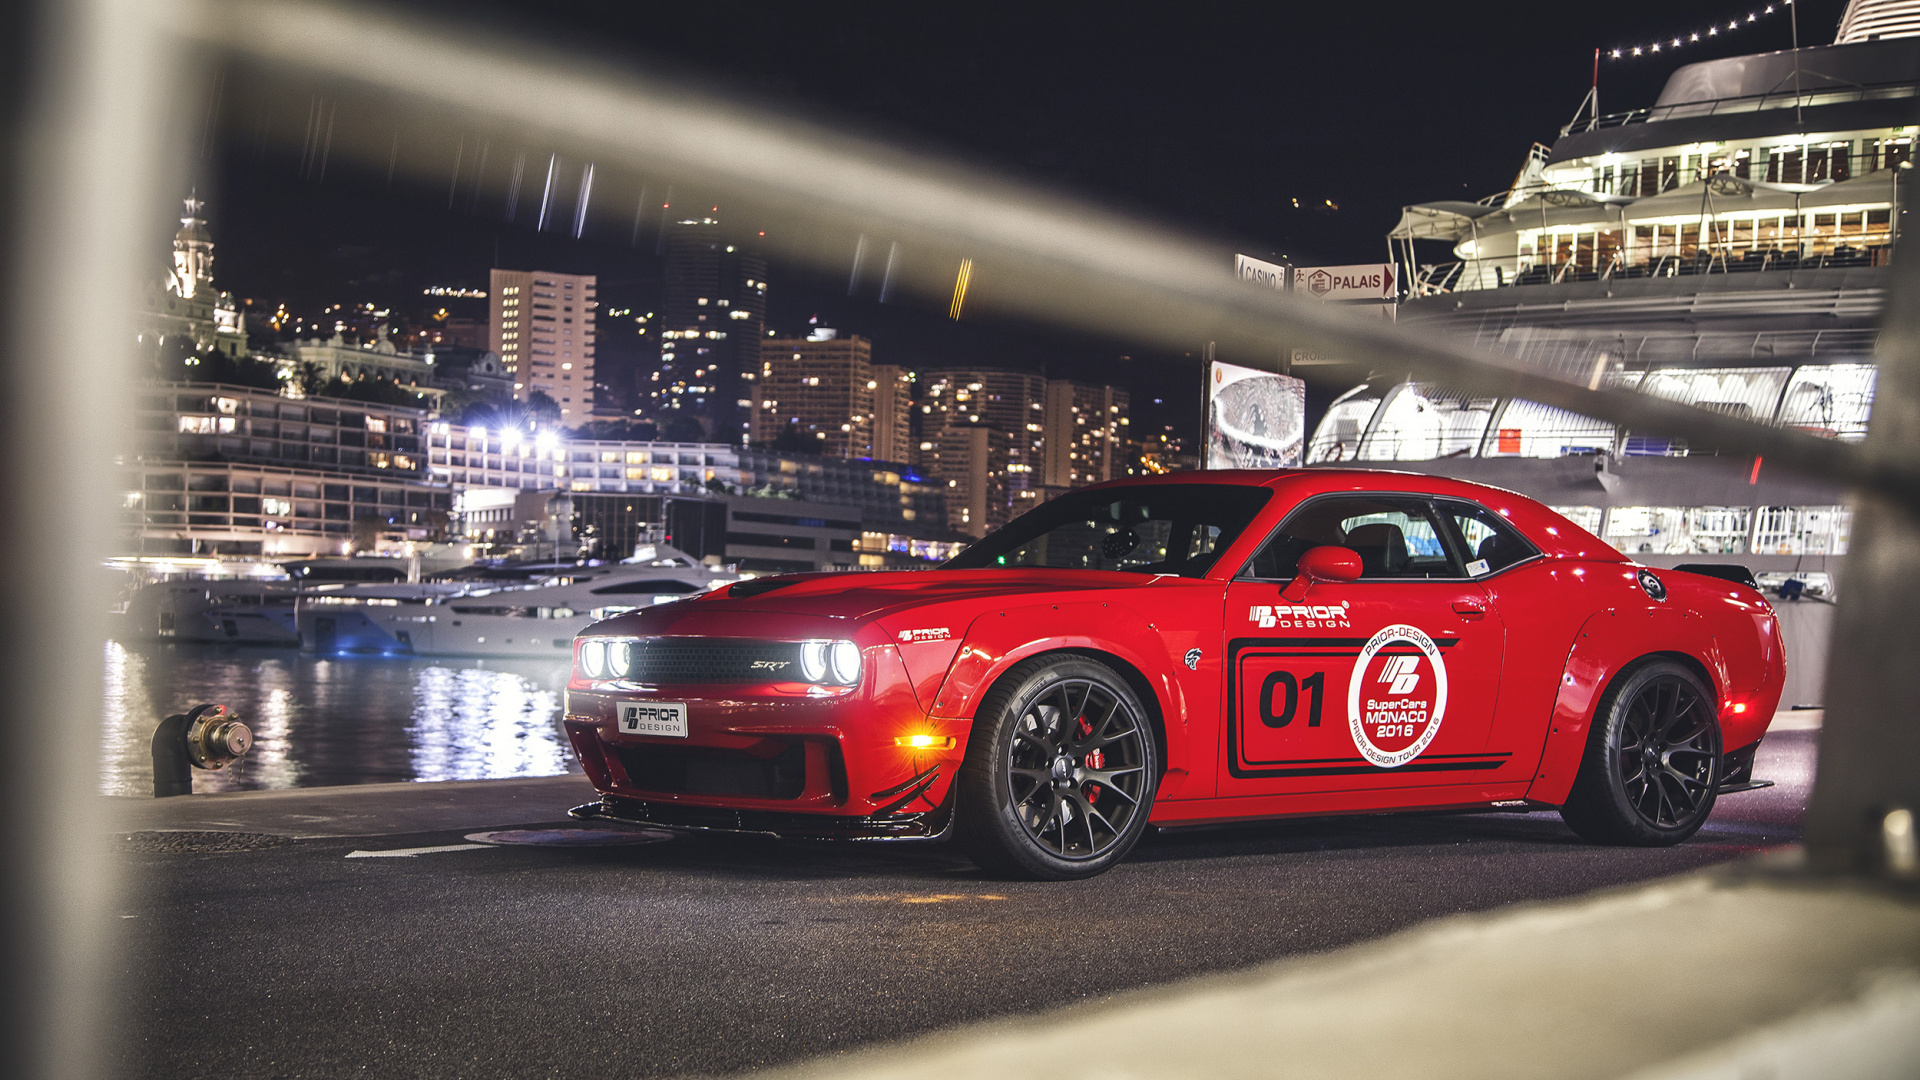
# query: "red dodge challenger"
[[1202, 647]]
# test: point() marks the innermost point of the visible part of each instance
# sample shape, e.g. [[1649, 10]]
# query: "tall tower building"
[[973, 467], [185, 305], [1085, 434], [819, 390], [1013, 402], [542, 326], [712, 318], [892, 413]]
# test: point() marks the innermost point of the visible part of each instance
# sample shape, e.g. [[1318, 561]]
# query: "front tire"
[[1652, 766], [1060, 772]]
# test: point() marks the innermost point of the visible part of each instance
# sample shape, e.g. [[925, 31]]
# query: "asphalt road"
[[293, 960]]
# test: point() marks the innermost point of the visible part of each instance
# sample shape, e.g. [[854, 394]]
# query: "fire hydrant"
[[204, 738]]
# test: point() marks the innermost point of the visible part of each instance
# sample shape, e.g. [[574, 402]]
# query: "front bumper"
[[933, 824], [760, 760]]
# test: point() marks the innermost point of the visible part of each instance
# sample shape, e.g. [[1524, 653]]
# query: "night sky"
[[1213, 118]]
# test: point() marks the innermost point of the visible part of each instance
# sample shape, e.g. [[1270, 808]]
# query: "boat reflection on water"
[[325, 720]]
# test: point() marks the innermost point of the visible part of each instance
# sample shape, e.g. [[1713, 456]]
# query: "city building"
[[1012, 402], [885, 497], [185, 306], [822, 391], [712, 317], [229, 470], [466, 370], [541, 325], [892, 413], [1085, 436], [335, 358], [975, 462], [750, 532]]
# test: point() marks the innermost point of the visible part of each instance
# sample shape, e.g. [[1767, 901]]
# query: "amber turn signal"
[[925, 742]]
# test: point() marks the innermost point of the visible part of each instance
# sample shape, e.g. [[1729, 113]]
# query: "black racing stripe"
[[1418, 765], [1361, 760], [1356, 644]]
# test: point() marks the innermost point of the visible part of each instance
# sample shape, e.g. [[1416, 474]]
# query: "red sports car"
[[1201, 647]]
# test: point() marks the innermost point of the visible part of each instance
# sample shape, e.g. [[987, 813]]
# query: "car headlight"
[[813, 660], [833, 662], [844, 659], [620, 658], [608, 658]]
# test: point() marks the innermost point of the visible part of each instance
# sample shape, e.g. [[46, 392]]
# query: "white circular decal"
[[1403, 698]]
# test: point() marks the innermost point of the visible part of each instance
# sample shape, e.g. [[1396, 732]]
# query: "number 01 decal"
[[1397, 696], [1280, 683]]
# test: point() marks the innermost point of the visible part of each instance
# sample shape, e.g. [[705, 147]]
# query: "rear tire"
[[1652, 767], [1060, 772]]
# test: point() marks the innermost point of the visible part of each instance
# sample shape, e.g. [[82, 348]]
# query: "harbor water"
[[326, 720]]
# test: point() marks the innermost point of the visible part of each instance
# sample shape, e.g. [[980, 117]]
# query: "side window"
[[1492, 543], [1395, 537]]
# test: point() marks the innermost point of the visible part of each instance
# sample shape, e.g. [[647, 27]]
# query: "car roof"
[[1553, 533]]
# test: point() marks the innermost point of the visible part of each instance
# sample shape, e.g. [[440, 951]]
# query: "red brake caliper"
[[1095, 759]]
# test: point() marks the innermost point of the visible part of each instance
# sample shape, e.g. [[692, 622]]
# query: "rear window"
[[1176, 529]]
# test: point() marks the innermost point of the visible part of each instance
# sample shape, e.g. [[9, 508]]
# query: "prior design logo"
[[1299, 615], [1404, 718], [1402, 672], [937, 633], [1193, 659]]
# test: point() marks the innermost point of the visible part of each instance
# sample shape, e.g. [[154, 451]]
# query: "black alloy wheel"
[[1060, 772], [1653, 764]]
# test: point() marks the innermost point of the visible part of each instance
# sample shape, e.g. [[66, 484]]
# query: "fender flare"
[[1607, 643], [996, 641]]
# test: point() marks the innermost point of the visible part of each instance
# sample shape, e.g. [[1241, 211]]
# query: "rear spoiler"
[[1724, 571]]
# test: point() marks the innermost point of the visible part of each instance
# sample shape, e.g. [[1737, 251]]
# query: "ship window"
[[1423, 422], [1830, 400], [1338, 436], [1529, 429]]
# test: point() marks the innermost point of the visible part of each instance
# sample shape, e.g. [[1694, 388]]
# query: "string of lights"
[[1681, 41]]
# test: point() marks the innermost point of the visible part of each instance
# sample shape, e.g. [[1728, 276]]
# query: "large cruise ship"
[[1726, 246]]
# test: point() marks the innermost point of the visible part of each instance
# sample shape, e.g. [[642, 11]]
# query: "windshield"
[[1151, 529]]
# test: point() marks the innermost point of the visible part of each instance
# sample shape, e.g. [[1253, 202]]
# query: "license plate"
[[665, 718]]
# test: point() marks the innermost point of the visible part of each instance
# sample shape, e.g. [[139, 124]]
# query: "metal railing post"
[[1869, 764]]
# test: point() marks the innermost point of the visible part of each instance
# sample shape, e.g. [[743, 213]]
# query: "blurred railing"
[[1434, 279]]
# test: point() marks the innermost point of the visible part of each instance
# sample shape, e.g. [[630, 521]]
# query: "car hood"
[[872, 595]]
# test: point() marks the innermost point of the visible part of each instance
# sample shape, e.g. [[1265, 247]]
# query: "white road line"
[[410, 852]]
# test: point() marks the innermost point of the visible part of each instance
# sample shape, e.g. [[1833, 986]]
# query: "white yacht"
[[505, 611], [239, 603], [242, 611]]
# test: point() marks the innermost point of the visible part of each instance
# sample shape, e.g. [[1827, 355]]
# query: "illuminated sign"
[[1255, 272], [1367, 281]]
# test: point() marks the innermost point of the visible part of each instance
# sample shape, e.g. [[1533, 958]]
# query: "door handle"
[[1469, 609]]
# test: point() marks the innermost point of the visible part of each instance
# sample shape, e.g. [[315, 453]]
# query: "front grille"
[[714, 660], [692, 770]]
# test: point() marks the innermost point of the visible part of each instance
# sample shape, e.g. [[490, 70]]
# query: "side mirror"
[[1324, 563]]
